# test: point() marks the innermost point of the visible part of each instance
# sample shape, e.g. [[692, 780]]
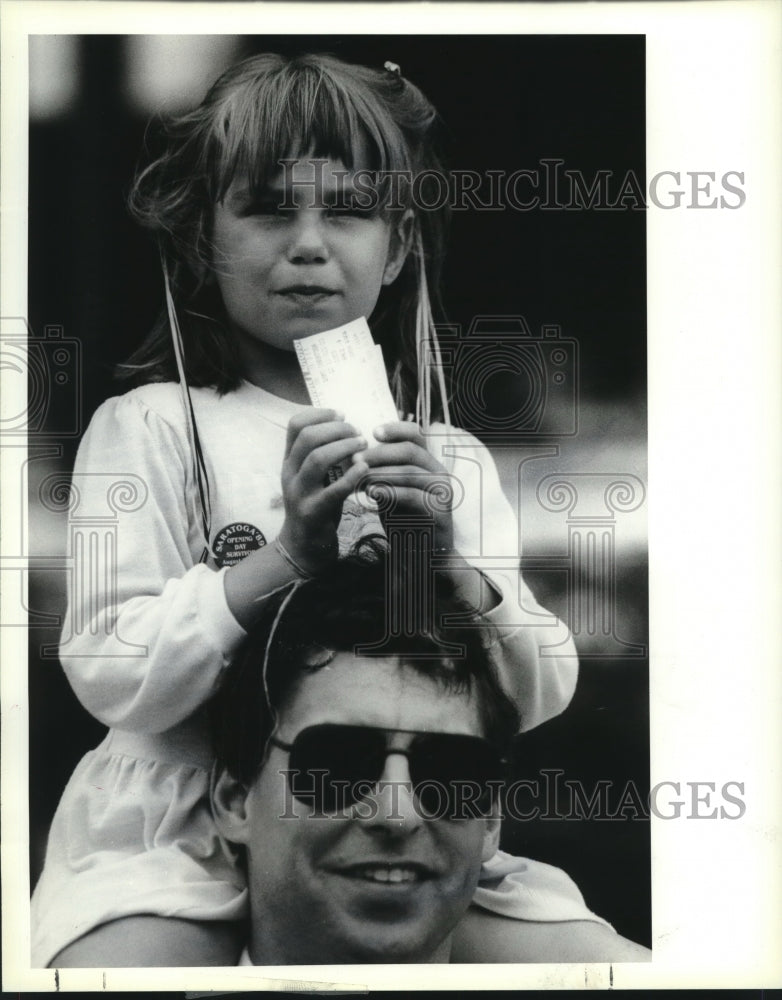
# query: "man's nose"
[[308, 243], [395, 809]]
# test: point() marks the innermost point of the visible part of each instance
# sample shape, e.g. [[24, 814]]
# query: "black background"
[[507, 103]]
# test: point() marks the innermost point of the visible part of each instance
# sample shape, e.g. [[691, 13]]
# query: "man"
[[363, 788]]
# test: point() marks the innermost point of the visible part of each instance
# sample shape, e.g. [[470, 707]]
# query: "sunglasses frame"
[[492, 784]]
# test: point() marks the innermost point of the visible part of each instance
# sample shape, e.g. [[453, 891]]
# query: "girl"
[[276, 216]]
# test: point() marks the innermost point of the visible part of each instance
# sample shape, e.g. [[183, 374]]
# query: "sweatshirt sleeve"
[[533, 650], [148, 629]]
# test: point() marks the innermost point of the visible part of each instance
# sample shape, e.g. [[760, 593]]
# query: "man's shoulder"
[[486, 937]]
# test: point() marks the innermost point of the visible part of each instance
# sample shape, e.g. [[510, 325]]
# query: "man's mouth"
[[388, 873]]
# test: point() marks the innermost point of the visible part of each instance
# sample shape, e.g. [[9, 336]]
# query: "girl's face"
[[313, 264]]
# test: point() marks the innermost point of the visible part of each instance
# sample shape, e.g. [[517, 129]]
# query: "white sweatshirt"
[[148, 630]]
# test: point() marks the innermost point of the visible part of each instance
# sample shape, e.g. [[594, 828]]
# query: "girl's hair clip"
[[392, 67]]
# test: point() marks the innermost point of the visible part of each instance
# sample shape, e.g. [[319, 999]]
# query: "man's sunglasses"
[[334, 766]]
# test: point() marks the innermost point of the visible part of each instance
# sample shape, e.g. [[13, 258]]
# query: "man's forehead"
[[385, 692]]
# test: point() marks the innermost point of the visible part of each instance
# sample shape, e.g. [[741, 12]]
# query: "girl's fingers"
[[341, 488], [329, 500], [408, 484], [401, 453], [406, 475], [433, 510], [316, 436], [400, 431], [316, 464], [311, 416], [392, 433], [406, 497]]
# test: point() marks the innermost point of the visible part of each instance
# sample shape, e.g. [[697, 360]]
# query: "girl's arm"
[[149, 629], [480, 543], [534, 650], [316, 441]]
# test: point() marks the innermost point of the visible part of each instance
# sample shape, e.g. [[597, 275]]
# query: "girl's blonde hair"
[[258, 112]]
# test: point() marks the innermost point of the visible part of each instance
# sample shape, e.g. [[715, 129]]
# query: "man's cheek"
[[464, 847]]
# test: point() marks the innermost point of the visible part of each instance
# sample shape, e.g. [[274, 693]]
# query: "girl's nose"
[[308, 244]]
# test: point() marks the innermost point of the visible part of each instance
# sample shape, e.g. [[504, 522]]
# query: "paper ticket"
[[343, 369]]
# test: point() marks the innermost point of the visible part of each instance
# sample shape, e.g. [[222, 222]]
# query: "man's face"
[[379, 882]]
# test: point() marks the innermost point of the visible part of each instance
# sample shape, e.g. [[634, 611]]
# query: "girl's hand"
[[317, 440], [418, 482]]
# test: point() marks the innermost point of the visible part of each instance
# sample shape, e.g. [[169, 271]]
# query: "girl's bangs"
[[303, 111]]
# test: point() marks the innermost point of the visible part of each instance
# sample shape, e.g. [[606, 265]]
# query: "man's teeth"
[[389, 874]]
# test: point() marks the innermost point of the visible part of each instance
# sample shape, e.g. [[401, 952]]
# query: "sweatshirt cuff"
[[498, 615], [524, 889], [216, 616]]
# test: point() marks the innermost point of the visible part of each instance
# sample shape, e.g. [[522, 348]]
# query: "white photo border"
[[714, 89]]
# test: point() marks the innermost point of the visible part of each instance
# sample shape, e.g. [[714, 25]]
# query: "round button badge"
[[235, 542]]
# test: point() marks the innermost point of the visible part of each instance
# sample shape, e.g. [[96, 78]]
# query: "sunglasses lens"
[[337, 765], [451, 775], [333, 766]]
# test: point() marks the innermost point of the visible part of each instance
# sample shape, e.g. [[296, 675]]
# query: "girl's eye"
[[349, 212], [270, 207]]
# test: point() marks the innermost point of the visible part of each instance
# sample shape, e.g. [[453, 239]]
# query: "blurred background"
[[507, 103]]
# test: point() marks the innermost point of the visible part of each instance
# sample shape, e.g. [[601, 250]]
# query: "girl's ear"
[[229, 804], [398, 247], [491, 835]]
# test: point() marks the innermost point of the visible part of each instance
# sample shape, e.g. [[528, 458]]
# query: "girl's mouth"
[[307, 293]]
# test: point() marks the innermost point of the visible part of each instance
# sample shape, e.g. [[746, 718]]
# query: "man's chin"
[[392, 949], [371, 941], [391, 922], [363, 934]]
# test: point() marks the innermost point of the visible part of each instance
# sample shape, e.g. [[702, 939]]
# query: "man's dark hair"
[[346, 609]]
